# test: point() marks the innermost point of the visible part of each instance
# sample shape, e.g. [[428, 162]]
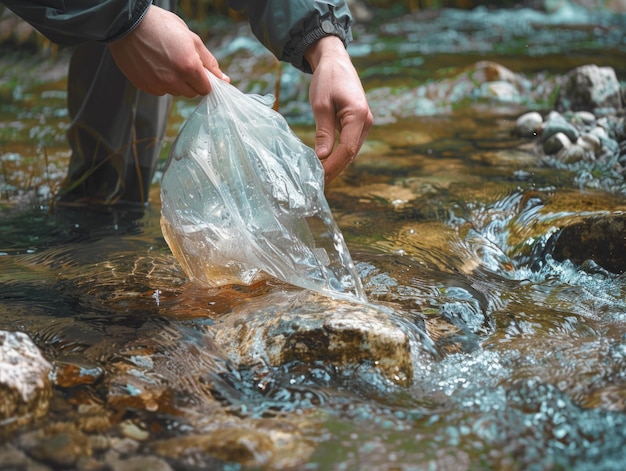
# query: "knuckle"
[[188, 66], [322, 134]]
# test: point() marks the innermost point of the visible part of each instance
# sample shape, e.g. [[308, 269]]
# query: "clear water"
[[518, 361]]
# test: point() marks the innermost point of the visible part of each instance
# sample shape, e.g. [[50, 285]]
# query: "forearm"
[[71, 23]]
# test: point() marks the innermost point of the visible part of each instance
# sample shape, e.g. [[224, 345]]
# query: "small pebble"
[[556, 125], [590, 142], [529, 124], [141, 463], [570, 154], [584, 118], [132, 430], [555, 143]]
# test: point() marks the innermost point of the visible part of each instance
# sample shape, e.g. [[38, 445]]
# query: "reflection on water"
[[517, 359]]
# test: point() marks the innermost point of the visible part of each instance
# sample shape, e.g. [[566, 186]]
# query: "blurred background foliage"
[[16, 34]]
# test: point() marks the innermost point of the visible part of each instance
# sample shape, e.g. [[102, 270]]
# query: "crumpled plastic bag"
[[242, 198]]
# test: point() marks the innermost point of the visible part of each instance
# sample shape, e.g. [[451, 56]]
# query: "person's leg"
[[116, 130]]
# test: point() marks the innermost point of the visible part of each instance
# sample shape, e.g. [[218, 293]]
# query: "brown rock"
[[601, 239], [319, 329], [73, 369]]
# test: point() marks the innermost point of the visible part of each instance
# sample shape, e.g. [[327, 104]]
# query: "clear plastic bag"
[[242, 198]]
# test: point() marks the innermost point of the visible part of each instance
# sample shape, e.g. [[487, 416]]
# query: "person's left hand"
[[339, 105]]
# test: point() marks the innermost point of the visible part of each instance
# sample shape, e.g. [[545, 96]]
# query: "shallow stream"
[[513, 360]]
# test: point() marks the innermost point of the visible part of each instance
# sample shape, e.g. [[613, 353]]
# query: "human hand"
[[339, 104], [162, 55]]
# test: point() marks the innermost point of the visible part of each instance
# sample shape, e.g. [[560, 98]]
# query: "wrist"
[[328, 46], [136, 17]]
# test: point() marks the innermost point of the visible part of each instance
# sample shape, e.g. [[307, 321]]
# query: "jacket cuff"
[[135, 16], [313, 29]]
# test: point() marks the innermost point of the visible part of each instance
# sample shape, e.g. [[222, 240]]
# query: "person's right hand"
[[162, 55], [342, 115]]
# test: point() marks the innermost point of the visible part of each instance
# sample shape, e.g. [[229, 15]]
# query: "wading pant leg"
[[115, 132]]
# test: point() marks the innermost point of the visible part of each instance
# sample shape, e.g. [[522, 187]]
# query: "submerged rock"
[[62, 445], [273, 444], [73, 369], [12, 458], [601, 239], [344, 335], [25, 388]]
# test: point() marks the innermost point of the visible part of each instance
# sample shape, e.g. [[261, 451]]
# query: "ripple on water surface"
[[517, 359]]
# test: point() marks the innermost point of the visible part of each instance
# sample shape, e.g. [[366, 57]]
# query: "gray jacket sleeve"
[[68, 22], [288, 27]]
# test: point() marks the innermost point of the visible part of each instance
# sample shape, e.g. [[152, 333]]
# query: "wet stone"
[[556, 143], [133, 431], [555, 124], [268, 443], [605, 133], [73, 370], [572, 153], [492, 72], [123, 446], [24, 385], [11, 458], [601, 239], [583, 118], [141, 463], [599, 132], [590, 88], [529, 124], [591, 146], [340, 334], [94, 419], [61, 447], [590, 142], [503, 91], [244, 446], [157, 372]]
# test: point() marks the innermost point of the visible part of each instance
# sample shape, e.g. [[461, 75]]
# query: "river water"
[[516, 360]]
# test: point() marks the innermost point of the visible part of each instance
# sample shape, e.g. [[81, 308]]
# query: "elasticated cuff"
[[315, 28], [135, 16]]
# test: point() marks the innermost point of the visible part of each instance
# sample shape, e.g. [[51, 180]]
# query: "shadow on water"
[[480, 347]]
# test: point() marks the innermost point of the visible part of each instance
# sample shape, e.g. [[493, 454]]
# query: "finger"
[[337, 161], [351, 138], [324, 132], [177, 85], [209, 61], [341, 158], [198, 80]]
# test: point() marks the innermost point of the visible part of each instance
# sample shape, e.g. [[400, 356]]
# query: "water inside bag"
[[243, 198]]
